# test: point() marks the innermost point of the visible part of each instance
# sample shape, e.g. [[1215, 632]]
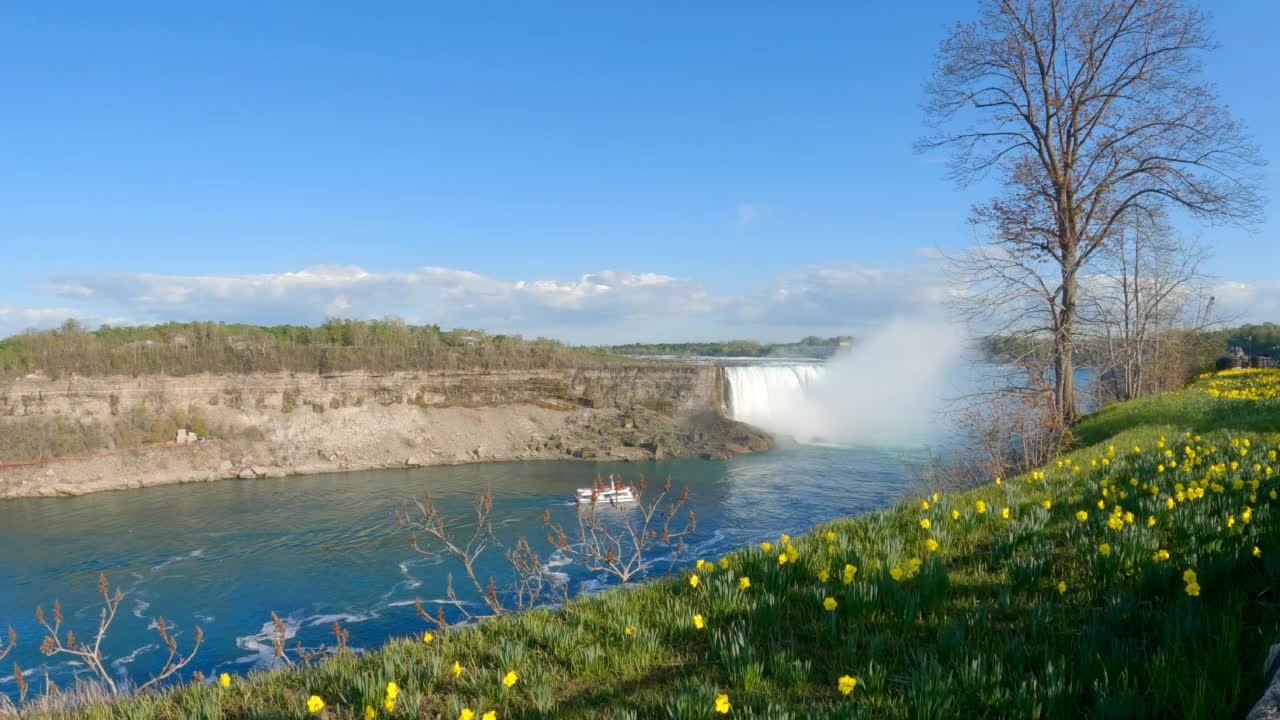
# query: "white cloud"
[[605, 306], [1247, 302], [15, 320], [747, 214], [600, 307], [844, 296]]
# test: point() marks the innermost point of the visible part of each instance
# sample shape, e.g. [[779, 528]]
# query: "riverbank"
[[1132, 577], [276, 425]]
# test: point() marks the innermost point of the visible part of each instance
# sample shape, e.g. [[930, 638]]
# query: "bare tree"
[[466, 548], [1092, 114], [6, 649], [91, 654], [618, 538], [1149, 288]]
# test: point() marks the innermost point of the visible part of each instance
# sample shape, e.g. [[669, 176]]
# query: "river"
[[315, 549]]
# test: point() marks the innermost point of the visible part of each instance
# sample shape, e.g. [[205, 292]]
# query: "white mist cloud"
[[886, 390]]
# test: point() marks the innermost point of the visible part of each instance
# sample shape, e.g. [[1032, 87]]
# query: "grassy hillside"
[[1133, 577]]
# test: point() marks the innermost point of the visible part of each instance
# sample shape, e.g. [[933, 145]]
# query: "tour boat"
[[613, 492]]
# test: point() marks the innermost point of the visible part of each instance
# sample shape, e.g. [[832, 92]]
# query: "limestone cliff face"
[[671, 389], [282, 424]]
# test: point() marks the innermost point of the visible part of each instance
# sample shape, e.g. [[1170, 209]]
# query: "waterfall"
[[761, 395]]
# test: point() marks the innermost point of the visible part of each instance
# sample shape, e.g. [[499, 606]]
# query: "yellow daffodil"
[[782, 558], [724, 563], [628, 631], [510, 679], [980, 506], [766, 546], [924, 523], [1104, 550], [1193, 589], [924, 505], [849, 572], [823, 576], [369, 712], [931, 544], [457, 669], [693, 581], [1062, 588], [1082, 516], [896, 573], [744, 582], [466, 714], [389, 704], [427, 637], [393, 690], [846, 684], [314, 704], [831, 536], [1004, 513], [785, 538], [829, 604], [697, 622], [1160, 555], [224, 680], [1046, 503], [1256, 552], [722, 704], [955, 514], [491, 715]]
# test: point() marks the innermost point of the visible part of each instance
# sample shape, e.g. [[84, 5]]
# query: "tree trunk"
[[1064, 389]]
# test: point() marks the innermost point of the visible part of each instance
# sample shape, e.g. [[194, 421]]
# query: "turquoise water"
[[320, 548]]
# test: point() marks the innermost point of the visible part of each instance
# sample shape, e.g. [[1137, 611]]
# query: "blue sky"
[[593, 171]]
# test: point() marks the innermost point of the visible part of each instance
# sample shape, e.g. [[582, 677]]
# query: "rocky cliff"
[[88, 434]]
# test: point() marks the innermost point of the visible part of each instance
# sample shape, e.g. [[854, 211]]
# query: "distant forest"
[[1254, 339], [337, 345], [810, 347]]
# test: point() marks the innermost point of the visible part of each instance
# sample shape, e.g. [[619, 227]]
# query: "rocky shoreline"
[[276, 426]]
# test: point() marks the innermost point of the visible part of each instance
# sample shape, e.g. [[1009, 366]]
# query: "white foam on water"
[[262, 654], [119, 663], [347, 618]]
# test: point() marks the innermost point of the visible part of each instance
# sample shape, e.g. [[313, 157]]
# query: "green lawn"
[[1022, 616]]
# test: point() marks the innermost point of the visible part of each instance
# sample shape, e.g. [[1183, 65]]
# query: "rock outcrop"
[[255, 426]]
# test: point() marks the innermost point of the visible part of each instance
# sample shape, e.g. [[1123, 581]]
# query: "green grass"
[[980, 629]]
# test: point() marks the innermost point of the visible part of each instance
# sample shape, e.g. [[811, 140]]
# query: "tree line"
[[809, 347], [337, 345]]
